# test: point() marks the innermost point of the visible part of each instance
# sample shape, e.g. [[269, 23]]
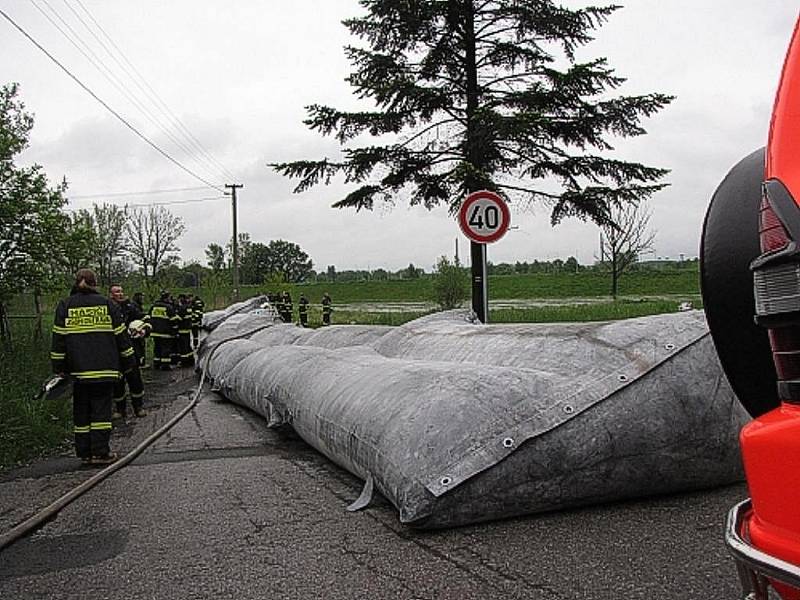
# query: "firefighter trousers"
[[162, 351], [136, 388], [91, 415], [185, 349]]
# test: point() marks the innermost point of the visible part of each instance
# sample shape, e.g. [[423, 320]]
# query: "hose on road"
[[50, 511]]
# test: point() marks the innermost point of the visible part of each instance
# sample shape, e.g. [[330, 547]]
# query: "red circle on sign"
[[472, 223]]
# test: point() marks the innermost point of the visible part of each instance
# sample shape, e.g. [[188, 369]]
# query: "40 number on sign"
[[484, 217]]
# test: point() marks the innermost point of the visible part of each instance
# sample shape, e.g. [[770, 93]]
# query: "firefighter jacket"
[[184, 313], [302, 305], [89, 340], [163, 320]]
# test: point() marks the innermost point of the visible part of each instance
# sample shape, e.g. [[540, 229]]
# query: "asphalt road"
[[222, 507]]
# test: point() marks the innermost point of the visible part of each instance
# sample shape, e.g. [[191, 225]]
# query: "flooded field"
[[499, 304]]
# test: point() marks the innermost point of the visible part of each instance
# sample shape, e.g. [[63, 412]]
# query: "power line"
[[165, 203], [107, 107], [144, 193], [155, 95], [74, 38], [173, 202], [172, 121]]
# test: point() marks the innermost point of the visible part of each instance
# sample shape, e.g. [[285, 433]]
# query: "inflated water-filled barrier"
[[213, 318], [457, 422]]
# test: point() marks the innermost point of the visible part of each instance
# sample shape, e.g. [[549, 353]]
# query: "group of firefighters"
[[282, 303], [99, 342], [174, 327]]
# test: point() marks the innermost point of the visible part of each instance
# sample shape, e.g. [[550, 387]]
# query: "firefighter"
[[90, 345], [184, 312], [277, 303], [286, 303], [164, 323], [133, 377], [198, 307], [327, 309], [302, 310]]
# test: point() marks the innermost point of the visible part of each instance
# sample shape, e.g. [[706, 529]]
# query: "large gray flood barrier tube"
[[214, 318], [456, 422]]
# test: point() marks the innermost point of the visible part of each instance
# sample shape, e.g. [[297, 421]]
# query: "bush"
[[450, 284]]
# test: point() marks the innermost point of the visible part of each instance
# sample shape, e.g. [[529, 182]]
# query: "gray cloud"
[[239, 79]]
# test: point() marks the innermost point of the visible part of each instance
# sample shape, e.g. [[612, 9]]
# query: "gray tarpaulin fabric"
[[214, 318], [458, 422]]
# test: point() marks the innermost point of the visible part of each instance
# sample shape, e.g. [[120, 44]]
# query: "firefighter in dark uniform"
[[302, 310], [164, 323], [327, 309], [277, 303], [198, 307], [90, 345], [132, 377], [286, 305], [184, 312]]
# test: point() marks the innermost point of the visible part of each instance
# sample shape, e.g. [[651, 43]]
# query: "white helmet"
[[138, 328]]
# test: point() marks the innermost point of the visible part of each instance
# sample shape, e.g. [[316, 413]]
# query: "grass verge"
[[28, 427]]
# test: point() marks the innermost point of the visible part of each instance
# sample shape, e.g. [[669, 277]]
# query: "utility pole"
[[235, 244]]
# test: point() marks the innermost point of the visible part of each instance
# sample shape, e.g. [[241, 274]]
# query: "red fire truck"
[[750, 273]]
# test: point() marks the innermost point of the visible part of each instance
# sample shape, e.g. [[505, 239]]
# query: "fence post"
[[5, 329], [37, 330]]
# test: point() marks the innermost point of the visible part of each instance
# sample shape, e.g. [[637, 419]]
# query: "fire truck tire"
[[728, 245]]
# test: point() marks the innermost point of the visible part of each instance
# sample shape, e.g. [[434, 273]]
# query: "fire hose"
[[37, 520]]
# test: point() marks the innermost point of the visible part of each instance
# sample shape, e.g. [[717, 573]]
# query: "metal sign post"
[[484, 218]]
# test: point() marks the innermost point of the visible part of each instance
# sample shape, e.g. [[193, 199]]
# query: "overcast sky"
[[238, 73]]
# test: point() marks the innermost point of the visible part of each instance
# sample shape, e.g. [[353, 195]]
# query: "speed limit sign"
[[484, 217]]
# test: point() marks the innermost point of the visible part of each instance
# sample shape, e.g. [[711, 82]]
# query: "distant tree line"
[[277, 261], [557, 265], [379, 274]]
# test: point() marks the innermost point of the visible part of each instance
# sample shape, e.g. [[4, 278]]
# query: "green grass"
[[592, 285], [602, 311], [585, 284], [28, 427], [369, 318]]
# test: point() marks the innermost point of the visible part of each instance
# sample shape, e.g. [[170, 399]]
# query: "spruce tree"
[[483, 94]]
